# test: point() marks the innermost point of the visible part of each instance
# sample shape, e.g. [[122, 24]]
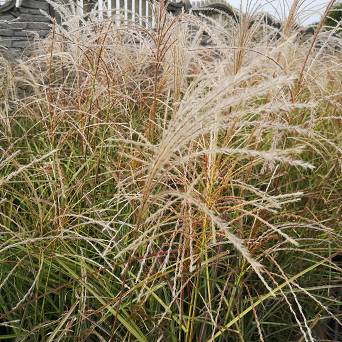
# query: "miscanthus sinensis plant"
[[155, 188]]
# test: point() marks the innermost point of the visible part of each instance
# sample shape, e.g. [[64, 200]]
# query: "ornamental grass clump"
[[155, 188]]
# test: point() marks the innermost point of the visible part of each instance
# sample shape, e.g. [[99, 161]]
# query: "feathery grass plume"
[[174, 184]]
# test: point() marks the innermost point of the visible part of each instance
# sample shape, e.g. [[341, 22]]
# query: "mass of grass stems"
[[176, 184]]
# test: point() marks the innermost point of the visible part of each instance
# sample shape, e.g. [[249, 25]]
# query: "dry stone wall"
[[20, 26]]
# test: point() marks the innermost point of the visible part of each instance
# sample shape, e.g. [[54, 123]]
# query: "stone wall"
[[20, 26]]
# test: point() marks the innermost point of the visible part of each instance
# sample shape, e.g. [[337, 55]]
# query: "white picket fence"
[[125, 11]]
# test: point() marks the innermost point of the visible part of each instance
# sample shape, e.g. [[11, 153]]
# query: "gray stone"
[[19, 27], [21, 33], [37, 26], [7, 43], [27, 17], [35, 4], [13, 25], [7, 17], [20, 43], [6, 33]]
